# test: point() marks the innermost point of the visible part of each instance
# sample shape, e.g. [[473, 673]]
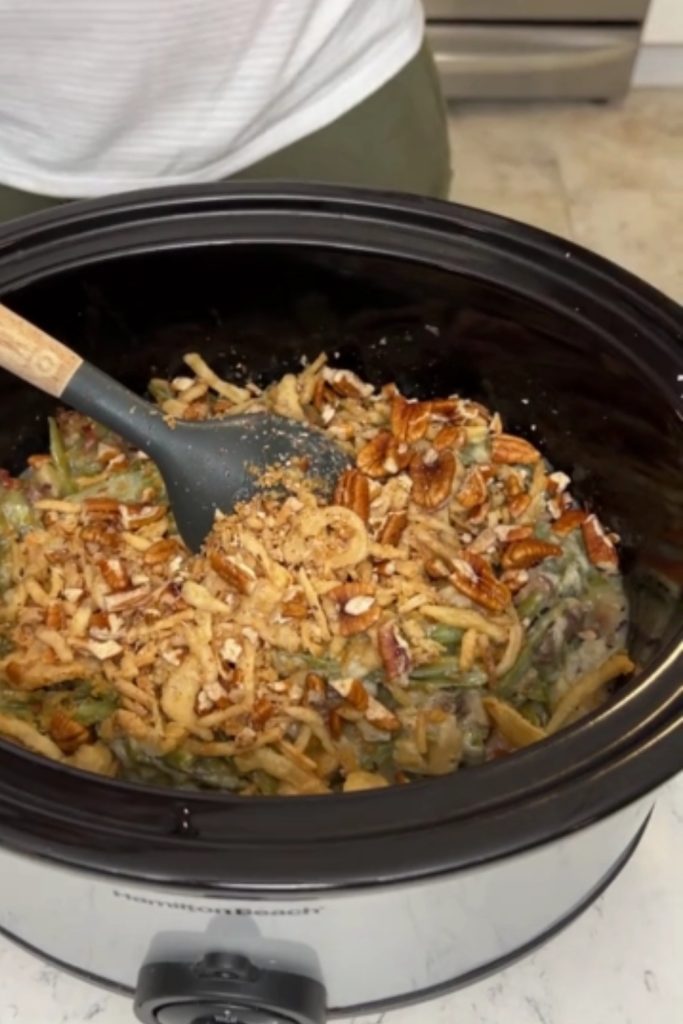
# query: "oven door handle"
[[551, 60]]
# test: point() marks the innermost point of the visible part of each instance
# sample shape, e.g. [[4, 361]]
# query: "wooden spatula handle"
[[37, 358]]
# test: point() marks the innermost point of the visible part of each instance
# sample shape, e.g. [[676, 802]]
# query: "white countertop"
[[619, 963]]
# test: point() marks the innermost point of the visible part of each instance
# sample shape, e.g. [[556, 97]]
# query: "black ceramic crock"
[[575, 353]]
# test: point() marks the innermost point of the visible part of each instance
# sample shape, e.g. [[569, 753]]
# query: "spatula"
[[206, 465]]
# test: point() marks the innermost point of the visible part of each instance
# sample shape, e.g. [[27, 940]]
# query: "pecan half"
[[599, 547], [357, 607], [474, 578], [513, 450], [522, 554], [67, 733], [518, 505], [394, 652], [449, 436], [568, 521], [392, 528], [432, 475], [409, 420], [236, 573], [353, 491], [473, 490], [383, 456]]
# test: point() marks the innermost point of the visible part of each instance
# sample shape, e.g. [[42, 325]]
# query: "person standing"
[[105, 96]]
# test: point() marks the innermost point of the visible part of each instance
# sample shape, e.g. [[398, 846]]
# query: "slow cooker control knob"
[[226, 988]]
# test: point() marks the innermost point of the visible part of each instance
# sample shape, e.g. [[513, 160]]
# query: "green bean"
[[60, 460], [474, 679], [447, 636]]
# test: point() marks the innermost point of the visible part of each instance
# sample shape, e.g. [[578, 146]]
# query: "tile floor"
[[610, 177]]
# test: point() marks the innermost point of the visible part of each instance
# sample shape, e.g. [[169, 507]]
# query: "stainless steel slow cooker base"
[[436, 991], [372, 949]]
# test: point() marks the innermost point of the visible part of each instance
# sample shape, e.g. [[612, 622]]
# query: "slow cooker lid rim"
[[436, 858], [535, 777], [153, 206]]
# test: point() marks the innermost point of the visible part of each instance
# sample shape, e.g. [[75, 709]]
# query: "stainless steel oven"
[[541, 49]]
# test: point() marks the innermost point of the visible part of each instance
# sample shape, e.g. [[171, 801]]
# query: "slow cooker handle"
[[226, 988]]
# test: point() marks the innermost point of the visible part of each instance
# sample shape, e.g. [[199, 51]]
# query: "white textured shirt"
[[102, 96]]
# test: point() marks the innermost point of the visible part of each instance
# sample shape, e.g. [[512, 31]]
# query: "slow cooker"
[[213, 908]]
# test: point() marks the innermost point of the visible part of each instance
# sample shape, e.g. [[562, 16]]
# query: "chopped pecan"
[[522, 554], [262, 710], [358, 609], [409, 419], [346, 383], [568, 521], [515, 579], [234, 572], [432, 475], [558, 483], [162, 551], [449, 436], [323, 395], [473, 490], [474, 578], [381, 717], [383, 456], [513, 450], [115, 574], [335, 723], [353, 692], [54, 616], [599, 547], [101, 535], [135, 515], [392, 528], [394, 652], [210, 697], [315, 690], [126, 598], [478, 514], [438, 568], [353, 491], [67, 733], [295, 607], [98, 509]]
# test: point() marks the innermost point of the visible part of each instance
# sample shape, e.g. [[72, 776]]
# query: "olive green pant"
[[395, 139]]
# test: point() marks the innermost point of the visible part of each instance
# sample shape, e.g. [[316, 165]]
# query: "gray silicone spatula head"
[[207, 465]]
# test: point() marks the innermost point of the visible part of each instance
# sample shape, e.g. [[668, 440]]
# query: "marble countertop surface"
[[619, 963]]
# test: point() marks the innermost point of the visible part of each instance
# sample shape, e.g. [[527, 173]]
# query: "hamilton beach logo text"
[[194, 908]]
